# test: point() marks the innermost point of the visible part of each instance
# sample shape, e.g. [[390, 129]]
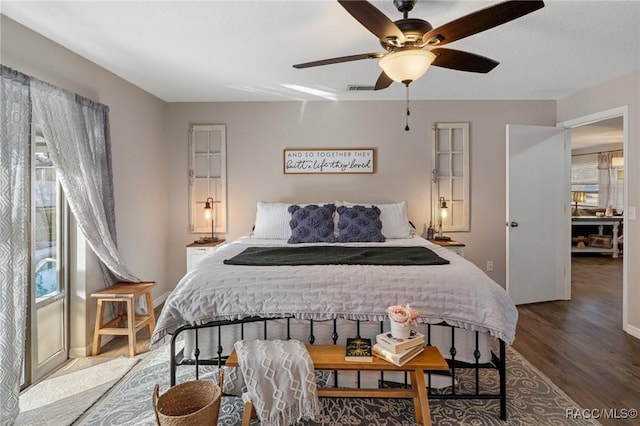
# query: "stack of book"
[[398, 351]]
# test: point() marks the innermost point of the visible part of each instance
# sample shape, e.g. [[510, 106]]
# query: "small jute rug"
[[532, 400], [60, 399]]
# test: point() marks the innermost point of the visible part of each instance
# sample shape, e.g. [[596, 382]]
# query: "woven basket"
[[192, 403]]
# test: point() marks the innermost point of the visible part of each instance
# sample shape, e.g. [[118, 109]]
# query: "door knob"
[[513, 224]]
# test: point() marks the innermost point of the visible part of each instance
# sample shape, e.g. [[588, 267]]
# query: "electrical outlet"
[[489, 265]]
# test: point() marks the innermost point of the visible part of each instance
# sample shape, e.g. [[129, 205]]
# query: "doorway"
[[48, 307], [610, 126]]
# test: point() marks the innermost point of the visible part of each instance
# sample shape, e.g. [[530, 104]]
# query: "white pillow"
[[272, 220], [395, 222]]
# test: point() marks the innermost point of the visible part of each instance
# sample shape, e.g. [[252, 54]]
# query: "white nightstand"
[[198, 251], [454, 246]]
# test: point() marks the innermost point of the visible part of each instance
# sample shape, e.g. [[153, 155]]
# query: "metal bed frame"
[[498, 361]]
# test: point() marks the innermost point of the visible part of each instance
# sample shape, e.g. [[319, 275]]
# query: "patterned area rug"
[[62, 398], [532, 399]]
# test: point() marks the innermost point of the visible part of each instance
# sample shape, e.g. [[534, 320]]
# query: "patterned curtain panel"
[[76, 130], [15, 173], [604, 180]]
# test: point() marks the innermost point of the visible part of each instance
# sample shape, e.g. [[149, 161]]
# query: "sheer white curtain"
[[617, 182], [604, 180], [15, 172], [76, 130], [77, 134]]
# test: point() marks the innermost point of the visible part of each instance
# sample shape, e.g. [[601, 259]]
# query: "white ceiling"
[[244, 51]]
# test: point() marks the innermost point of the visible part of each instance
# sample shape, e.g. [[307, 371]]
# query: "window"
[[45, 239], [450, 175], [584, 178], [600, 178], [207, 177]]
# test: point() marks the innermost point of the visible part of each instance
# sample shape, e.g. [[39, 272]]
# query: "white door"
[[49, 296], [538, 209]]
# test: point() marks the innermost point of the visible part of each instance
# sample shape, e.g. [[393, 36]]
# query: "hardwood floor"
[[580, 345]]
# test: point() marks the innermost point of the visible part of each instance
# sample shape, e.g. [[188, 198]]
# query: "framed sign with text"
[[337, 160]]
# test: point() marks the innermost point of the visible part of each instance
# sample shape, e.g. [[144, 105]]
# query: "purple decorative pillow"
[[311, 224], [359, 224]]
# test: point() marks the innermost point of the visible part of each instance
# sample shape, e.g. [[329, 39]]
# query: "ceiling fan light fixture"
[[406, 66]]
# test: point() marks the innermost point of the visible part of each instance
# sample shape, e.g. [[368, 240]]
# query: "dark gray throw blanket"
[[336, 255]]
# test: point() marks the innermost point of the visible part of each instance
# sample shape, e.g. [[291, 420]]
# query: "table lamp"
[[578, 197], [208, 214], [443, 215]]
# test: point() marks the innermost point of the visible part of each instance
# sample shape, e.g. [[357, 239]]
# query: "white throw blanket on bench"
[[280, 380]]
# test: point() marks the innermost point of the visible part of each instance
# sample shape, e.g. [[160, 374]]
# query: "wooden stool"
[[127, 323]]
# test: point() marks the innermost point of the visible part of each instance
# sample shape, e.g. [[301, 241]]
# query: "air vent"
[[356, 88]]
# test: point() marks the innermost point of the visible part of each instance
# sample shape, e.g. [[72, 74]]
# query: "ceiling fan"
[[412, 45]]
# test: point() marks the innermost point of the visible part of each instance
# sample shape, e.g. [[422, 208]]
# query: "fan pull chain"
[[406, 127]]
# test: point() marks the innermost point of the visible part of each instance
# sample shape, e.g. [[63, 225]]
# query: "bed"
[[461, 309]]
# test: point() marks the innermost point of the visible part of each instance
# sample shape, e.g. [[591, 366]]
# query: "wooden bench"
[[127, 323], [331, 357]]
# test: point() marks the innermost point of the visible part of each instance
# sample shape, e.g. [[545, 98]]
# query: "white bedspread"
[[459, 293]]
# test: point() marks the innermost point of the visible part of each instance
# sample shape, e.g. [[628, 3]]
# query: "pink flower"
[[403, 314]]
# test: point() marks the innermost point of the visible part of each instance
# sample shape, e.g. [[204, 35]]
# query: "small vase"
[[399, 331]]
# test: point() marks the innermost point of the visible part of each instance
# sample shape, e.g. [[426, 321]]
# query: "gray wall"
[[258, 132]]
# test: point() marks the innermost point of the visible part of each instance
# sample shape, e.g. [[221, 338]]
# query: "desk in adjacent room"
[[601, 222]]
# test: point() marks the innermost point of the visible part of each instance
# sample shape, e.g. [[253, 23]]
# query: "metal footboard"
[[497, 362]]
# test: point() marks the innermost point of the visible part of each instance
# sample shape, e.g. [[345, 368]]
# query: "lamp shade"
[[443, 208], [406, 66], [208, 209], [578, 196]]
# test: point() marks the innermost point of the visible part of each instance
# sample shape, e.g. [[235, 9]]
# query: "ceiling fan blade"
[[462, 61], [479, 21], [375, 21], [383, 82], [349, 58]]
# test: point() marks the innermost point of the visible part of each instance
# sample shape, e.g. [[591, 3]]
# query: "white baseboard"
[[160, 299], [79, 352], [634, 331], [87, 350]]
